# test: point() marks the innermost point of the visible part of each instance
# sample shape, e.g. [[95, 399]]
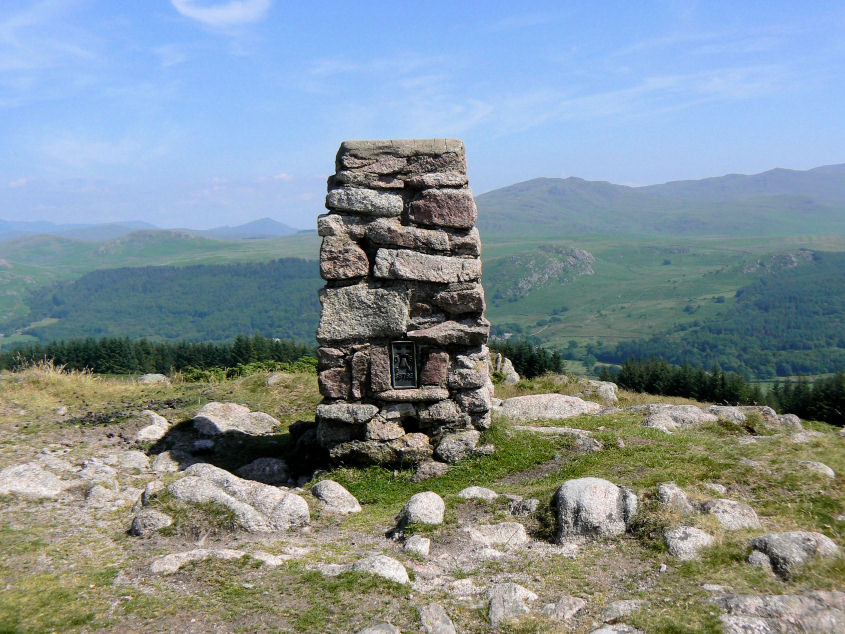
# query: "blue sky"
[[202, 113]]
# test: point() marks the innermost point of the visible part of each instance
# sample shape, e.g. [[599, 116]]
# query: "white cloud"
[[282, 177], [228, 14], [21, 182]]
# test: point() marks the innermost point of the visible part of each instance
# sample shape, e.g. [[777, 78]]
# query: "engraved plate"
[[403, 364]]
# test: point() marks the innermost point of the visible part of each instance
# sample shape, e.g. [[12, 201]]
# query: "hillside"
[[198, 303], [777, 202]]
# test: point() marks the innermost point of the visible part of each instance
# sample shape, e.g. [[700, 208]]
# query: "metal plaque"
[[403, 364]]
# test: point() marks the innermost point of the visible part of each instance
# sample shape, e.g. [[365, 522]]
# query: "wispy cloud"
[[226, 14], [523, 21], [17, 184]]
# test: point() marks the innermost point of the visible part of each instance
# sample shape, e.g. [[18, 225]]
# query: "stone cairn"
[[403, 356]]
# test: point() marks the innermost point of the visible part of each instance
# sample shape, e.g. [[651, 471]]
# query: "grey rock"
[[391, 233], [379, 429], [786, 552], [423, 508], [508, 601], [156, 428], [417, 545], [96, 470], [605, 390], [258, 507], [342, 259], [444, 208], [435, 620], [547, 407], [817, 467], [215, 418], [617, 628], [351, 413], [791, 421], [732, 515], [474, 400], [133, 459], [202, 445], [423, 394], [153, 378], [672, 417], [364, 201], [733, 414], [383, 566], [671, 495], [404, 264], [478, 493], [381, 628], [337, 225], [148, 521], [461, 301], [715, 487], [30, 480], [170, 564], [467, 332], [171, 461], [335, 497], [564, 609], [618, 610], [151, 488], [593, 507], [528, 506], [277, 377], [267, 470], [457, 446], [508, 534], [813, 612], [686, 542], [354, 313], [429, 469]]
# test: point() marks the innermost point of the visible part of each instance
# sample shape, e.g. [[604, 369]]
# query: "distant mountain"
[[255, 230], [777, 202], [11, 229]]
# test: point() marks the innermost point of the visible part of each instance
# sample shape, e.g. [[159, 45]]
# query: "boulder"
[[171, 461], [507, 601], [435, 620], [457, 446], [593, 507], [383, 566], [478, 493], [616, 628], [258, 507], [148, 521], [817, 467], [267, 470], [155, 430], [381, 628], [219, 418], [133, 459], [423, 508], [564, 609], [429, 469], [528, 506], [335, 497], [791, 421], [732, 515], [417, 545], [618, 610], [153, 378], [170, 564], [547, 407], [671, 417], [672, 496], [605, 390], [818, 612], [685, 542], [30, 480], [786, 552], [733, 414], [508, 534]]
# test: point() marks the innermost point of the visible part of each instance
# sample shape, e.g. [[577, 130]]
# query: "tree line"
[[121, 355], [822, 400], [529, 360]]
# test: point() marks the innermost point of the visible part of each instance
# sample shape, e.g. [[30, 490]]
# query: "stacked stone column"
[[401, 260]]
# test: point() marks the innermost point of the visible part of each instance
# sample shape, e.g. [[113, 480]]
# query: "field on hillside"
[[69, 563]]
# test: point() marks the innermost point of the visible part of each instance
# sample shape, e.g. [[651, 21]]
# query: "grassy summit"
[[70, 565]]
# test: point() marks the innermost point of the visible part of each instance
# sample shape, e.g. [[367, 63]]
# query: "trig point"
[[403, 356]]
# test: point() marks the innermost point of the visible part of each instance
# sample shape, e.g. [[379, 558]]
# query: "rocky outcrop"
[[215, 418], [546, 407], [784, 553]]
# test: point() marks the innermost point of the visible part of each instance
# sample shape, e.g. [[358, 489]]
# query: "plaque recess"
[[403, 365]]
